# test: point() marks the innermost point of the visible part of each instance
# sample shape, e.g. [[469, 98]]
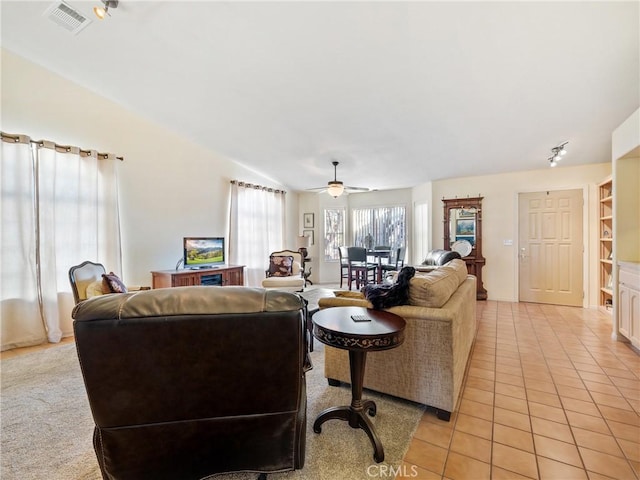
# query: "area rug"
[[47, 425]]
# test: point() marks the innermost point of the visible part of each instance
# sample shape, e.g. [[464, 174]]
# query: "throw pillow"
[[280, 266], [113, 283]]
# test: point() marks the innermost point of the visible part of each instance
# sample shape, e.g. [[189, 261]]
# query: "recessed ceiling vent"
[[67, 17]]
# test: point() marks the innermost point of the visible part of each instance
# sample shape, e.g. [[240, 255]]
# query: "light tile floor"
[[547, 395]]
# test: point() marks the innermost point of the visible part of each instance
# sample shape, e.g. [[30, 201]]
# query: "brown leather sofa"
[[439, 257], [191, 381]]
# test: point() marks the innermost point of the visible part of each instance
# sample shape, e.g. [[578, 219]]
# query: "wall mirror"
[[463, 233]]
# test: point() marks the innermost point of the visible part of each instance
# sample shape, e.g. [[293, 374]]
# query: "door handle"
[[523, 253]]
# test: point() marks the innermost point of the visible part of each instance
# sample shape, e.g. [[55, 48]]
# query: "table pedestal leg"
[[355, 413]]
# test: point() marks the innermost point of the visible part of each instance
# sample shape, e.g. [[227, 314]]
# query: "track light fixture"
[[102, 12], [557, 153]]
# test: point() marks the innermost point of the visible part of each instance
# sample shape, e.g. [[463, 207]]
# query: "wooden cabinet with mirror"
[[463, 233]]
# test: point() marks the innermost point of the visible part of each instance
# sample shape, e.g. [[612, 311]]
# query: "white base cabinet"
[[629, 301]]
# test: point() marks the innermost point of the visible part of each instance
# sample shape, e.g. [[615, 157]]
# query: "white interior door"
[[551, 247]]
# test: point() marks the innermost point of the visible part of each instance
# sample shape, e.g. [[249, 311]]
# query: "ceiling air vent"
[[67, 17]]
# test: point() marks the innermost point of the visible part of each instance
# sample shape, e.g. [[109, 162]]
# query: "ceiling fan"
[[335, 187]]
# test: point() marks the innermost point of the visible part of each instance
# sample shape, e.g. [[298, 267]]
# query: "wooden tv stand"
[[220, 276]]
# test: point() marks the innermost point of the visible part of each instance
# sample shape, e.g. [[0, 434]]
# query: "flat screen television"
[[203, 252]]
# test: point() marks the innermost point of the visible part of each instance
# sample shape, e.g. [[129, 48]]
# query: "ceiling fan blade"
[[347, 189]]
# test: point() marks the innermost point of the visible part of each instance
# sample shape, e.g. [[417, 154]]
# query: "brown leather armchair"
[[191, 381]]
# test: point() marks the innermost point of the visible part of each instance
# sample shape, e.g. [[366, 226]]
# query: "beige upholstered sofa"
[[429, 366]]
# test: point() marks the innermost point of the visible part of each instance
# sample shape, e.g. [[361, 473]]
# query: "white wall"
[[500, 222], [170, 187]]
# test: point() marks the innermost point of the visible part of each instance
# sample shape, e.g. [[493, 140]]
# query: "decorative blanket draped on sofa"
[[441, 326]]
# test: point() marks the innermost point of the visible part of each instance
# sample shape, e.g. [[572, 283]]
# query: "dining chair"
[[344, 264], [359, 269], [397, 263]]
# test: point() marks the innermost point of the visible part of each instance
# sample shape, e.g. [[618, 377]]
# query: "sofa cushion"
[[349, 294], [112, 283], [434, 289], [280, 266], [459, 267]]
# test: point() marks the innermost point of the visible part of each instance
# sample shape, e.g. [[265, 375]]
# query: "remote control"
[[360, 318]]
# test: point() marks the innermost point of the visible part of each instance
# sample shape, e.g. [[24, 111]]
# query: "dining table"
[[378, 255]]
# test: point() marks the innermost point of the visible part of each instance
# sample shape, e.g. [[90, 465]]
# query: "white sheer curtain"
[[257, 227], [59, 208], [20, 320]]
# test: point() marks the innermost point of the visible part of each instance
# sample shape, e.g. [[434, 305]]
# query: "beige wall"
[[500, 222], [625, 149], [169, 186], [164, 176]]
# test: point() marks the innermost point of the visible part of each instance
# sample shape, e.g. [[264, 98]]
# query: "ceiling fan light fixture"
[[335, 189]]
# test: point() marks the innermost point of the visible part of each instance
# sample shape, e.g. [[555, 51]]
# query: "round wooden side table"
[[358, 330]]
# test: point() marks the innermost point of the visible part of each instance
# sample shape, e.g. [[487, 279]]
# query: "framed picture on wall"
[[309, 233], [466, 213], [307, 220], [465, 227]]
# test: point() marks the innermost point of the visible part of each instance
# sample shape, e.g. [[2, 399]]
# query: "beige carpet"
[[47, 426]]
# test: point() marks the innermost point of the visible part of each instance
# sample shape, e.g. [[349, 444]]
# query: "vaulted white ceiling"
[[399, 93]]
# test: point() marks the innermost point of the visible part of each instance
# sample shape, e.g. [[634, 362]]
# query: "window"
[[61, 208], [255, 208], [379, 226], [421, 230], [334, 228]]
